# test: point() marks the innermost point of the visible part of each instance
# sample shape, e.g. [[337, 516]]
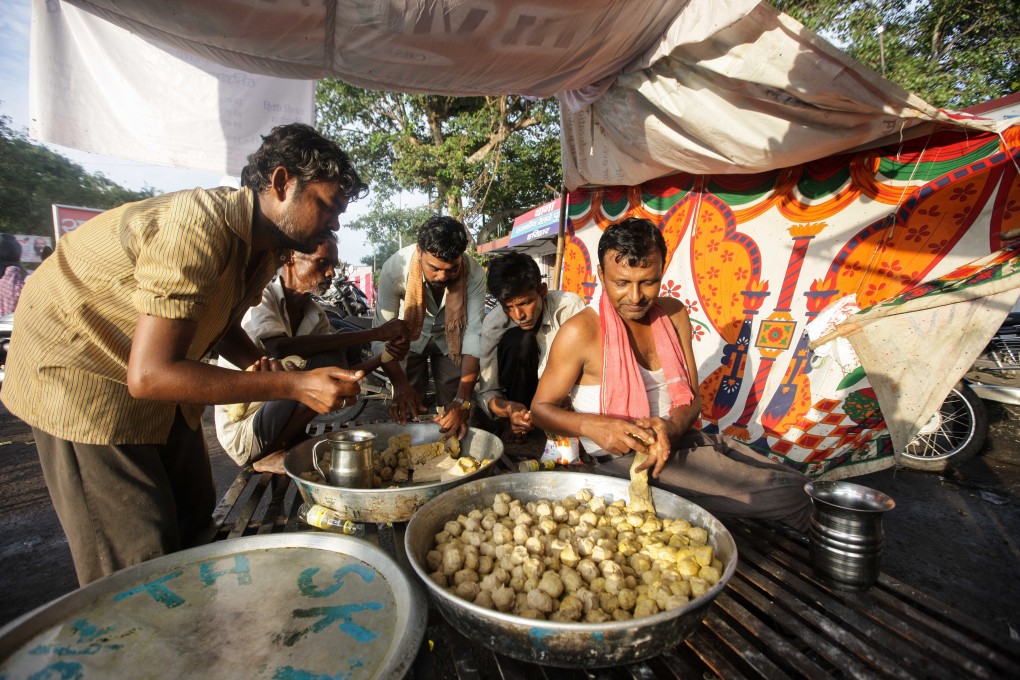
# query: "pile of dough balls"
[[581, 560]]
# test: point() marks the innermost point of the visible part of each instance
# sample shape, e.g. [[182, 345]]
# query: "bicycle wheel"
[[954, 434]]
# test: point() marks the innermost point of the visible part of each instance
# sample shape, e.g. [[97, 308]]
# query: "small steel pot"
[[846, 533]]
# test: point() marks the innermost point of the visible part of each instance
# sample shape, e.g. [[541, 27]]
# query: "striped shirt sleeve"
[[179, 264]]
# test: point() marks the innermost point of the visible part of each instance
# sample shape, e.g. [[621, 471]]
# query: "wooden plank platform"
[[774, 619]]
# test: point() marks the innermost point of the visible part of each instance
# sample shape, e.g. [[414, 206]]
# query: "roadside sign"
[[67, 218], [540, 222]]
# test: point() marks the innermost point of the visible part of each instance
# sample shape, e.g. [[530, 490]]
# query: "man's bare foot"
[[271, 463]]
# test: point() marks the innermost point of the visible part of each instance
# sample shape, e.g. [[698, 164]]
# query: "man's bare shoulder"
[[671, 306], [677, 312], [581, 327]]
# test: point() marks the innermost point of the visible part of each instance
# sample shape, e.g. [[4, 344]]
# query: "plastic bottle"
[[536, 465], [329, 520]]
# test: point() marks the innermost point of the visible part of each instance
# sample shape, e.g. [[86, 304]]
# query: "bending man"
[[288, 322], [516, 338], [440, 293], [106, 363], [629, 370]]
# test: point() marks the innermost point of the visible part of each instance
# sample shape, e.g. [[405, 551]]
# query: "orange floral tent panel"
[[757, 257]]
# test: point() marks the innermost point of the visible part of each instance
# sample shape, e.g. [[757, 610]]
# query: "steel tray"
[[281, 606]]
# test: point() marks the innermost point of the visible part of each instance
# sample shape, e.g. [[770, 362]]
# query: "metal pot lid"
[[285, 605]]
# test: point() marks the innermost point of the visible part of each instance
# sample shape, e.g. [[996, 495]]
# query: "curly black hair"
[[633, 239], [443, 237], [306, 155], [513, 275]]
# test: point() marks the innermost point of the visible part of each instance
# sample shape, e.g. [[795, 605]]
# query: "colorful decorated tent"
[[757, 257]]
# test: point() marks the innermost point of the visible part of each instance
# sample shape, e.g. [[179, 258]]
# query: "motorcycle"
[[957, 431], [344, 299]]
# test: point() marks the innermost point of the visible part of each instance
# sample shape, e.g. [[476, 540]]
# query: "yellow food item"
[[419, 453], [422, 463], [640, 494], [579, 567]]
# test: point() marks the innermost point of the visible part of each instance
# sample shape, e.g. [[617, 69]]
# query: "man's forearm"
[[237, 347], [307, 345], [395, 373], [499, 407], [195, 382], [682, 419], [468, 376], [558, 420], [370, 365]]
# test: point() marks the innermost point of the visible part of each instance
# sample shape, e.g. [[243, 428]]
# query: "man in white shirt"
[[517, 336], [439, 292], [288, 322]]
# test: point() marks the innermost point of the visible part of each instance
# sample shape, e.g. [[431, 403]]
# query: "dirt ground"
[[954, 536]]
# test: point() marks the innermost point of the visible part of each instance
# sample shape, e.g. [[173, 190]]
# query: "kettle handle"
[[315, 457]]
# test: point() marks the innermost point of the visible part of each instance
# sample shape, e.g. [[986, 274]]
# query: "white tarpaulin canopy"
[[97, 87], [646, 88]]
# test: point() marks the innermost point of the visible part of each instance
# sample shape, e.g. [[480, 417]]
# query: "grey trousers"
[[120, 505], [728, 479], [445, 373]]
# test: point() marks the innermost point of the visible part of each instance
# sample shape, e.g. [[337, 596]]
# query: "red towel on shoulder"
[[623, 391]]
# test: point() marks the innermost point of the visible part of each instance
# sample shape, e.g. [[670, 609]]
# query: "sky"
[[15, 28]]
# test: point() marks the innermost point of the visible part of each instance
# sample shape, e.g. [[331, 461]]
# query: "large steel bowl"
[[549, 642], [389, 505]]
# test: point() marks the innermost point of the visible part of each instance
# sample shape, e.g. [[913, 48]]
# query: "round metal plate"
[[296, 605]]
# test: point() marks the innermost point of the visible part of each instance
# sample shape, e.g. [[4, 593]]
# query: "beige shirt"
[[389, 305], [267, 320], [559, 306], [183, 255]]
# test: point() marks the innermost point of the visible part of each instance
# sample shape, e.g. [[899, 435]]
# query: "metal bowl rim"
[[841, 489], [412, 488], [578, 627]]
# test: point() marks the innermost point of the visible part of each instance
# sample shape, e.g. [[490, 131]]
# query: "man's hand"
[[398, 347], [265, 364], [616, 435], [327, 389], [454, 422], [391, 330], [405, 401], [520, 417], [659, 449]]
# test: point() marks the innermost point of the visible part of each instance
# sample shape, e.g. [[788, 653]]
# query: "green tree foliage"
[[952, 53], [387, 227], [32, 178], [483, 160]]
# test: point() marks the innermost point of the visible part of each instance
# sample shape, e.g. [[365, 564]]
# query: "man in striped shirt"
[[105, 360]]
